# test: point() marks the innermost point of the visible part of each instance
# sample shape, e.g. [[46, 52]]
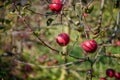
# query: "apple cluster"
[[88, 46], [111, 73], [63, 39]]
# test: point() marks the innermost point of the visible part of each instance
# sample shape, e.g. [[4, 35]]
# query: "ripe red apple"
[[63, 39], [110, 73], [117, 43], [103, 79], [117, 75], [25, 76], [55, 61], [56, 6], [44, 57], [89, 46], [49, 63], [56, 1], [108, 53], [27, 68]]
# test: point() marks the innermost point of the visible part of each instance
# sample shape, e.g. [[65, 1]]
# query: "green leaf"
[[7, 3], [5, 21], [89, 10], [49, 21], [2, 27], [117, 4], [1, 6]]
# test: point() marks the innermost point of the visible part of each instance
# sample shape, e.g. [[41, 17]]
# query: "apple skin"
[[63, 39], [103, 79], [89, 46], [56, 6], [110, 73], [117, 75], [56, 1]]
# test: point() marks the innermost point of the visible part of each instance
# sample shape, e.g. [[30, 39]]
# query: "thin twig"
[[98, 28], [77, 38], [90, 3], [97, 55], [57, 66], [115, 29]]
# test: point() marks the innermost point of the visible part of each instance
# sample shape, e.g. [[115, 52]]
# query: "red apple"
[[56, 1], [55, 61], [63, 39], [56, 6], [49, 63], [44, 57], [117, 75], [108, 53], [110, 73], [89, 46], [25, 76], [28, 68], [117, 43], [103, 79]]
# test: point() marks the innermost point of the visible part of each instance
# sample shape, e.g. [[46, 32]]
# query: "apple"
[[89, 46], [108, 53], [55, 61], [25, 76], [63, 39], [28, 68], [44, 57], [117, 75], [56, 1], [110, 73], [49, 63], [117, 43], [56, 6]]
